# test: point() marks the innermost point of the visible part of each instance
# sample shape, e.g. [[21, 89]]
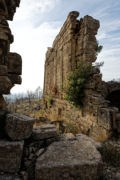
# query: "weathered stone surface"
[[19, 127], [9, 62], [76, 42], [2, 103], [14, 63], [5, 85], [3, 70], [10, 156], [117, 176], [15, 79], [44, 132], [73, 160], [82, 137], [8, 8]]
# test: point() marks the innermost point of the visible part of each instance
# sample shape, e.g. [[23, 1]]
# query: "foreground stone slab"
[[19, 127], [10, 156], [69, 160], [44, 132]]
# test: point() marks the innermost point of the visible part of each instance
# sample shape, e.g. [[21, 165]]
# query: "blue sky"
[[37, 23]]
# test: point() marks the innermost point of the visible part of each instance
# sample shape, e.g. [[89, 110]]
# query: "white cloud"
[[29, 10]]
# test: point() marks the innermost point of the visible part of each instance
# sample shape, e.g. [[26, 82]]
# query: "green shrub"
[[77, 80]]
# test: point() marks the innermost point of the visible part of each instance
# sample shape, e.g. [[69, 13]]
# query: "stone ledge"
[[71, 160], [44, 132]]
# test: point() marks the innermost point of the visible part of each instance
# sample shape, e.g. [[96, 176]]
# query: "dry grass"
[[31, 109]]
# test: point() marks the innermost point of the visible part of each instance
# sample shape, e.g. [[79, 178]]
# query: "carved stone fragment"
[[19, 127]]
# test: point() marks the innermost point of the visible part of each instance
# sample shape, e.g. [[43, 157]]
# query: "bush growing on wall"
[[77, 80]]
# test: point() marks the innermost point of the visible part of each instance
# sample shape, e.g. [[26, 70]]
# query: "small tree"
[[77, 80]]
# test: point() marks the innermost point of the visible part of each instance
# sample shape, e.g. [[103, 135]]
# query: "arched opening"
[[114, 98]]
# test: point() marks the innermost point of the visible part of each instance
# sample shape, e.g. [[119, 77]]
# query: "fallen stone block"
[[19, 127], [10, 156], [73, 160], [44, 132]]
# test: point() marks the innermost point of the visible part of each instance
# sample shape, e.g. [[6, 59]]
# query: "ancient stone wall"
[[10, 63], [75, 42]]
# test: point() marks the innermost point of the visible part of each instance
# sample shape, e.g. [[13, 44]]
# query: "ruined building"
[[40, 153], [28, 153], [76, 41]]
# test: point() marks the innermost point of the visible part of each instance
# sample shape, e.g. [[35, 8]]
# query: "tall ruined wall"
[[10, 63], [75, 42]]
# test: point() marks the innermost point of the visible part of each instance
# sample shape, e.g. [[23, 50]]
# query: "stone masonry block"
[[10, 156], [19, 127]]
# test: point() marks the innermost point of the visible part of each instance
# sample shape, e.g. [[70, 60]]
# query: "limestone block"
[[91, 25], [19, 127], [5, 85], [10, 156], [3, 70], [73, 160], [15, 79], [14, 63], [5, 35], [44, 132]]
